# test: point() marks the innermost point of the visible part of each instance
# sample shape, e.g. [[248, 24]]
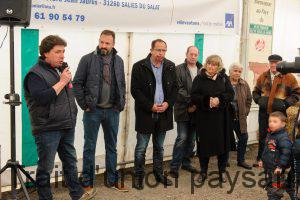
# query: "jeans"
[[48, 143], [184, 145], [242, 141], [140, 151], [222, 162], [109, 118]]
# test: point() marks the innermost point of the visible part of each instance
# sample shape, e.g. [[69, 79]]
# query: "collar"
[[198, 64], [220, 73], [282, 130], [45, 64], [214, 77], [276, 74], [240, 81], [148, 63], [267, 74], [153, 66], [97, 51]]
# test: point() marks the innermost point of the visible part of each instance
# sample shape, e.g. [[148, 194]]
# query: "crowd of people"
[[210, 109]]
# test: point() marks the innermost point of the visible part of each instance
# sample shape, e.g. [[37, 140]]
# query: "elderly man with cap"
[[273, 92]]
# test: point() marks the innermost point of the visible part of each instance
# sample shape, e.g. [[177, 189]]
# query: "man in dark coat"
[[154, 89], [184, 112], [99, 86], [273, 92]]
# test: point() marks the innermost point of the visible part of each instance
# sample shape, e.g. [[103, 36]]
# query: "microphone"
[[64, 65]]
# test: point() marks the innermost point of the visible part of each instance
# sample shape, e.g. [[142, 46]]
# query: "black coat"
[[143, 86], [183, 101], [277, 150], [213, 125], [87, 81]]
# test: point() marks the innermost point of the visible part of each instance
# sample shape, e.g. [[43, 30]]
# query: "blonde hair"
[[214, 59], [235, 65]]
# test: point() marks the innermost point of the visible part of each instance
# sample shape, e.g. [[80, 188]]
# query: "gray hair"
[[235, 65]]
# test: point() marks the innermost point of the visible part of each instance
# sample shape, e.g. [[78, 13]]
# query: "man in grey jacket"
[[99, 87], [183, 112]]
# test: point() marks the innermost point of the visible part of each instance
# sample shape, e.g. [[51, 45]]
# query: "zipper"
[[69, 105], [66, 90]]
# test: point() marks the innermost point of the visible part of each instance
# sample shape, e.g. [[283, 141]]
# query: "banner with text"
[[166, 16], [260, 29]]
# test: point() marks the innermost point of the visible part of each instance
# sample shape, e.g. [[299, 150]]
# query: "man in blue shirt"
[[154, 89]]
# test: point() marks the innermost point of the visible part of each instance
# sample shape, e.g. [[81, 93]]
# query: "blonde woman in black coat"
[[211, 93]]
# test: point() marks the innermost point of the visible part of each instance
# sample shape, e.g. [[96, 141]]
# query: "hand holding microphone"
[[66, 75], [65, 79]]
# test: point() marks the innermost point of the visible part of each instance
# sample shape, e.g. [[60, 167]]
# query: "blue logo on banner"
[[229, 20]]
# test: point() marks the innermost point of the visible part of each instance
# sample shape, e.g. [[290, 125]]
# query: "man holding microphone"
[[53, 111]]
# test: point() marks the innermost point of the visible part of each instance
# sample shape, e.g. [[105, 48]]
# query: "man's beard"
[[104, 52]]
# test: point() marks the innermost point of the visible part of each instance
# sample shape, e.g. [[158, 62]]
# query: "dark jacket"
[[213, 125], [60, 113], [183, 101], [244, 100], [143, 86], [277, 150], [278, 96], [88, 81]]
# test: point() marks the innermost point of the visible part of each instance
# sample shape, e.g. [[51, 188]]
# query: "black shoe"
[[174, 173], [164, 180], [222, 178], [138, 183], [244, 165], [190, 169], [202, 177]]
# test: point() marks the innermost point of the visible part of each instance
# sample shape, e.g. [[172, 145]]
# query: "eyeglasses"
[[160, 50]]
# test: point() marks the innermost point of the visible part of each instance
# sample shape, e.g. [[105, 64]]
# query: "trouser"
[[242, 141], [184, 145], [109, 119], [222, 162], [158, 139], [62, 142]]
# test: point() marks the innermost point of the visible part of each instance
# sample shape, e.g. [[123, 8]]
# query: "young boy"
[[276, 155]]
